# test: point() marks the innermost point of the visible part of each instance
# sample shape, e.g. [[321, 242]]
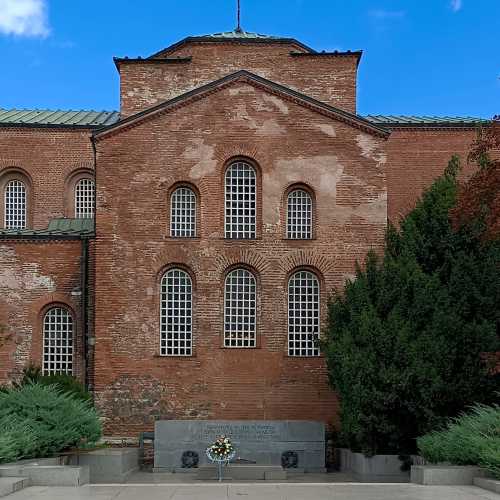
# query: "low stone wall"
[[108, 465], [379, 468], [445, 475]]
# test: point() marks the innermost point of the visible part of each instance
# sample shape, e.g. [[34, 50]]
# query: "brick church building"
[[177, 256]]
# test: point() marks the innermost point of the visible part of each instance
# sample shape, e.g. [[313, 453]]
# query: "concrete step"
[[10, 485], [487, 483], [243, 472]]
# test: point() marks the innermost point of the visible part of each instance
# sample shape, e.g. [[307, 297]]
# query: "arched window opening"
[[240, 201], [15, 205], [240, 296], [183, 213], [84, 198], [299, 215], [58, 341], [176, 323], [303, 314]]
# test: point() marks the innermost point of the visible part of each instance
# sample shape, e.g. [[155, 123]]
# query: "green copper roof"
[[95, 119], [247, 35], [425, 120], [46, 117], [58, 228]]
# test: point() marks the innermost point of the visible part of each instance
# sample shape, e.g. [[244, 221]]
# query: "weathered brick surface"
[[34, 275], [345, 168], [331, 79], [415, 157], [48, 157]]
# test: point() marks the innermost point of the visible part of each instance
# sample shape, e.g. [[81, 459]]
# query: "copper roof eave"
[[160, 60], [211, 39], [273, 86]]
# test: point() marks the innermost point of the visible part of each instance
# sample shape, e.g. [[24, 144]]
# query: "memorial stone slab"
[[260, 441]]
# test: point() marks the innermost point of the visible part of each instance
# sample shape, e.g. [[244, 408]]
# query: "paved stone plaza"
[[246, 491]]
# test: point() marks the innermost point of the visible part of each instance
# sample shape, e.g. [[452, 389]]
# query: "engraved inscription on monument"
[[238, 432]]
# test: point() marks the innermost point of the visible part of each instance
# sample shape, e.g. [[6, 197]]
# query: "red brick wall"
[[34, 275], [331, 79], [415, 157], [48, 157], [135, 170]]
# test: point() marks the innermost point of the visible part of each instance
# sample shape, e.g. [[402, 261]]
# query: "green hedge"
[[471, 439], [39, 421]]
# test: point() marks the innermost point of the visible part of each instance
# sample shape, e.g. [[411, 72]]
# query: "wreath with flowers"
[[221, 450]]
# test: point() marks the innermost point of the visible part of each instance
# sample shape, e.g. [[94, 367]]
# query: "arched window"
[[15, 205], [84, 198], [176, 313], [240, 296], [303, 314], [183, 213], [299, 215], [58, 341], [241, 201]]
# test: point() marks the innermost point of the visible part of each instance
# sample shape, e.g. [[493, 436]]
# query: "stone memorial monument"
[[295, 444]]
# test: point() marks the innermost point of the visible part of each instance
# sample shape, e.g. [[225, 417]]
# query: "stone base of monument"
[[243, 472]]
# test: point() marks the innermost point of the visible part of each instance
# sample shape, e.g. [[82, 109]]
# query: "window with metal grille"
[[176, 314], [183, 213], [240, 295], [303, 314], [299, 215], [58, 341], [15, 205], [241, 204], [84, 199]]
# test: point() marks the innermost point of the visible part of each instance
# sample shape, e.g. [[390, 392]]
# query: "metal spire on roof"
[[238, 27]]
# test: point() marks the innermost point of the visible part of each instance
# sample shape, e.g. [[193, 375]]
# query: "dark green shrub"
[[38, 421], [405, 340], [66, 383], [471, 439]]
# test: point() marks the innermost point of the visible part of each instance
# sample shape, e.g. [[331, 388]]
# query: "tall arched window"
[[176, 314], [183, 213], [240, 296], [299, 215], [303, 314], [84, 198], [15, 205], [241, 201], [58, 341]]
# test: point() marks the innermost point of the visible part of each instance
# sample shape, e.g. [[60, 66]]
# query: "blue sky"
[[438, 57]]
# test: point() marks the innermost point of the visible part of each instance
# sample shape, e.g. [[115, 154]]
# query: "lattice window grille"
[[299, 215], [15, 205], [183, 213], [58, 341], [176, 315], [240, 199], [84, 199], [303, 314], [240, 296]]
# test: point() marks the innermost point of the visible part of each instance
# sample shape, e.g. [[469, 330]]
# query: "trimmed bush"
[[39, 421], [66, 383], [471, 439]]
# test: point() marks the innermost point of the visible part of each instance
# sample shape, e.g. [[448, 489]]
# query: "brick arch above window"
[[81, 183], [16, 201]]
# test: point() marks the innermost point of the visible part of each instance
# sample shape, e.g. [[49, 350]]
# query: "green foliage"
[[471, 439], [405, 340], [66, 383], [38, 420]]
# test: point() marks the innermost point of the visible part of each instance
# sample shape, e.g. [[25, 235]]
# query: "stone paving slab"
[[247, 491]]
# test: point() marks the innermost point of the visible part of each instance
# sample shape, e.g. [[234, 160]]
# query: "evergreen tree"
[[406, 341]]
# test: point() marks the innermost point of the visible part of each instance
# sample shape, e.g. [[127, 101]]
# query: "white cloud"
[[456, 5], [24, 18]]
